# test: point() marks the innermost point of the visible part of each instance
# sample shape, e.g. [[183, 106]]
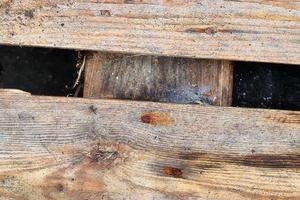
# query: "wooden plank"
[[68, 148], [163, 79], [250, 30]]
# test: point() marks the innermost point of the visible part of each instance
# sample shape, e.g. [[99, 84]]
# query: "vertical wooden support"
[[163, 79]]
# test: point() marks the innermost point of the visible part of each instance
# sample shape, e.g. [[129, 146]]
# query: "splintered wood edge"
[[262, 31]]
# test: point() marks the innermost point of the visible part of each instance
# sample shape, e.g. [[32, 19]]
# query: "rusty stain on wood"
[[157, 118], [174, 172]]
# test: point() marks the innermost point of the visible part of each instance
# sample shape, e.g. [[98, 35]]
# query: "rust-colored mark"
[[195, 30], [291, 118], [209, 30], [105, 13], [157, 118], [174, 172]]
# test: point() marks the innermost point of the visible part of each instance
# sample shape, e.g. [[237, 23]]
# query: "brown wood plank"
[[163, 79], [67, 148], [250, 30]]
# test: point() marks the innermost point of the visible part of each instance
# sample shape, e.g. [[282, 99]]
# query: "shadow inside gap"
[[264, 85], [40, 71]]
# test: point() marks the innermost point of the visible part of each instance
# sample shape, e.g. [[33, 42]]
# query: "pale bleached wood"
[[155, 78], [250, 30], [64, 148]]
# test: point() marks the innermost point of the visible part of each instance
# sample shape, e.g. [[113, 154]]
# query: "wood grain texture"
[[162, 79], [249, 30], [64, 148]]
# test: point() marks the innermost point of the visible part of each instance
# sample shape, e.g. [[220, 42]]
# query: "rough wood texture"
[[63, 148], [251, 30], [163, 79]]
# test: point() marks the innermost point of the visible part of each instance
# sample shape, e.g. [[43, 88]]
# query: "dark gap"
[[40, 71], [52, 72], [263, 85]]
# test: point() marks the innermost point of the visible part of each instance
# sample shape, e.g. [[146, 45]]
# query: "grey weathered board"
[[154, 78], [248, 30], [67, 148]]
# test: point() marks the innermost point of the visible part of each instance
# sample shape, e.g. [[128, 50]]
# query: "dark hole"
[[1, 68], [39, 71], [263, 85]]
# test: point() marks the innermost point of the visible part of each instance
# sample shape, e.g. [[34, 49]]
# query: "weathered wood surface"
[[64, 148], [163, 79], [251, 30]]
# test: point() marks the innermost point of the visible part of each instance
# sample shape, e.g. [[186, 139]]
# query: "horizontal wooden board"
[[66, 148], [249, 30]]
